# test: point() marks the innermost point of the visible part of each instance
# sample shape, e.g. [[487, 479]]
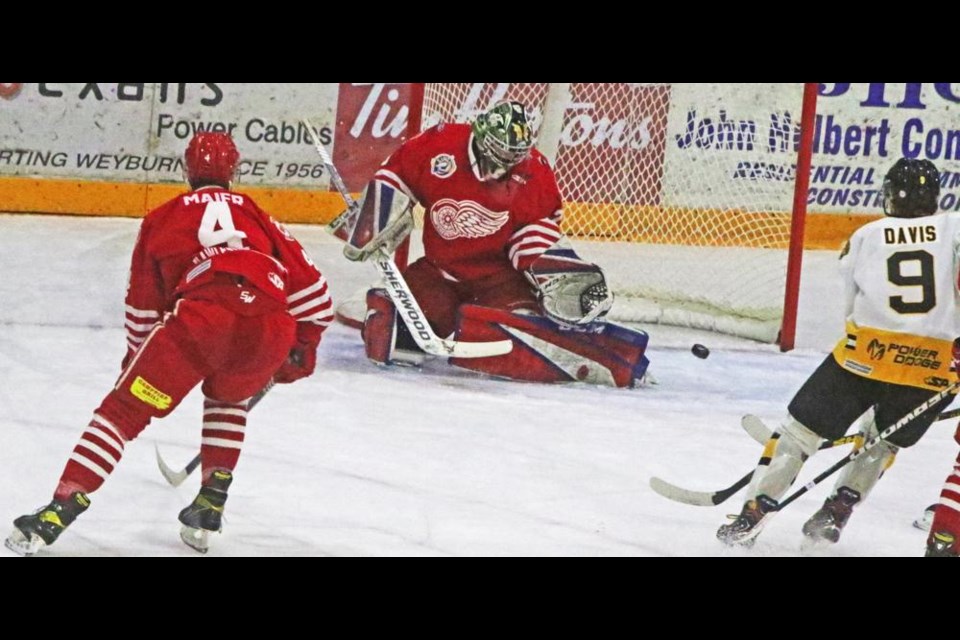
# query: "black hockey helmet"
[[911, 189]]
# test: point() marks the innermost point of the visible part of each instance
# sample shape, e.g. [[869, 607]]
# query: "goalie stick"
[[397, 288], [176, 478]]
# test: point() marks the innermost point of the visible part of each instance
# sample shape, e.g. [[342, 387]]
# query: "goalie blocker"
[[543, 351]]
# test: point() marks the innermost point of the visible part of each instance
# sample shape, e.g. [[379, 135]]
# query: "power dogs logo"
[[908, 356], [905, 355], [10, 90], [876, 349]]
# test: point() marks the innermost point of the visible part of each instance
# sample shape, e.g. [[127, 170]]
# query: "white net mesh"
[[687, 232]]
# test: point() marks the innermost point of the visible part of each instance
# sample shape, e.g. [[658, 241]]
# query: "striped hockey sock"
[[223, 428], [93, 459]]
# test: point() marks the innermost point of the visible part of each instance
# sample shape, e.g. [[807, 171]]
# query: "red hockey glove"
[[303, 357]]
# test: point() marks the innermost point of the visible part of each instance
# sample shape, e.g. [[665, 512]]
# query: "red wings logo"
[[465, 219]]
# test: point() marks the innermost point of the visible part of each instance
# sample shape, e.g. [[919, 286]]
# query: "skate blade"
[[745, 541], [741, 543], [23, 545], [196, 539]]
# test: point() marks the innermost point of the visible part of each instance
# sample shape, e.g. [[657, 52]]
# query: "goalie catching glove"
[[570, 291], [383, 221]]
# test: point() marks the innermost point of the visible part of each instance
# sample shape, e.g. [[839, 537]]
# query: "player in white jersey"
[[902, 315]]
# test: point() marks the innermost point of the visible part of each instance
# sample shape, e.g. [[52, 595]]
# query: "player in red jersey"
[[496, 263], [219, 294], [944, 538]]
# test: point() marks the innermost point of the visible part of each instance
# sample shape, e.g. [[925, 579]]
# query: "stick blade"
[[175, 478], [755, 428], [685, 496], [474, 349]]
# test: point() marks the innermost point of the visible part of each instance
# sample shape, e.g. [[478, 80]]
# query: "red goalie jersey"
[[475, 228], [190, 239]]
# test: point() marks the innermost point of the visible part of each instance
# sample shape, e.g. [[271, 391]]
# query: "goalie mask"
[[210, 158], [911, 189], [502, 138]]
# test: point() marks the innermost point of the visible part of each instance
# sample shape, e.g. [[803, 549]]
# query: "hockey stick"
[[755, 428], [398, 290], [760, 432], [713, 498], [176, 478], [870, 444], [946, 415]]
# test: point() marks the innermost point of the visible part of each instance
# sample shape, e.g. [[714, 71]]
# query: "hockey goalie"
[[496, 265]]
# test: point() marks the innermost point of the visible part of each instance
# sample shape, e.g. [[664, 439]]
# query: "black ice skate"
[[942, 545], [41, 529], [825, 525], [747, 526], [205, 513]]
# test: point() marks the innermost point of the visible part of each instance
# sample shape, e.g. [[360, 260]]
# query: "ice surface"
[[363, 461]]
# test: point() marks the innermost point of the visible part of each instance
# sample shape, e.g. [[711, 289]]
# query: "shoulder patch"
[[443, 165]]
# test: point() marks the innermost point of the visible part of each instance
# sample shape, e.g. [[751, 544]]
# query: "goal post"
[[791, 296], [692, 197]]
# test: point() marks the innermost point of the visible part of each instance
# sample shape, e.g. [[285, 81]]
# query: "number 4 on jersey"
[[217, 227]]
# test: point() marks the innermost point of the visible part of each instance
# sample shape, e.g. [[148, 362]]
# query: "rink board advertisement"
[[861, 130], [80, 137], [735, 137], [116, 148]]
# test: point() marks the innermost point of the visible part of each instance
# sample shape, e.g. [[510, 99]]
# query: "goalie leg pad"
[[604, 354], [386, 340]]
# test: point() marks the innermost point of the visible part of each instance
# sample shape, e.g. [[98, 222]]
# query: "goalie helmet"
[[911, 189], [503, 138], [210, 158]]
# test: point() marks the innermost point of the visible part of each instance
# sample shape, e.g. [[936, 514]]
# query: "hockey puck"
[[700, 351]]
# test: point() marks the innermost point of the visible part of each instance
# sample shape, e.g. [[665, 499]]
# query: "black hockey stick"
[[176, 478], [870, 444], [713, 498], [946, 415]]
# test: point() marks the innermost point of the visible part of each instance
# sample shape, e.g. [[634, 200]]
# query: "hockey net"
[[681, 192]]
